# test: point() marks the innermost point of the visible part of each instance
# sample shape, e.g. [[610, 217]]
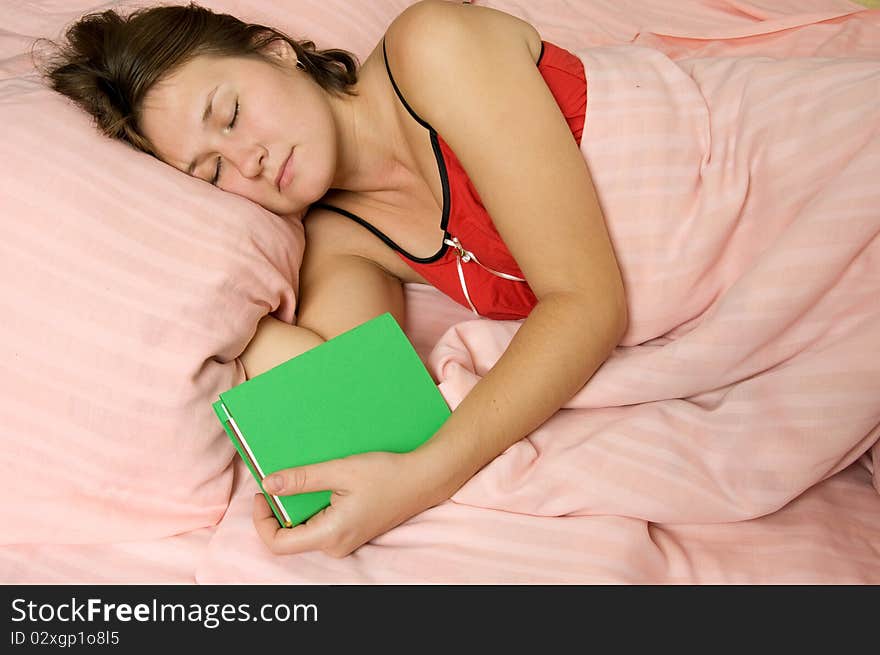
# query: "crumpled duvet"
[[743, 201]]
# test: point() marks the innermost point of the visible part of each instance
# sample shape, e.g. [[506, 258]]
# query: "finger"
[[262, 510], [264, 520], [315, 534], [323, 476]]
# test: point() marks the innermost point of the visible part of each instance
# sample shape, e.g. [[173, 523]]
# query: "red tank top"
[[474, 266]]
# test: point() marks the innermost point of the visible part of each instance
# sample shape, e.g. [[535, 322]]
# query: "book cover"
[[364, 390]]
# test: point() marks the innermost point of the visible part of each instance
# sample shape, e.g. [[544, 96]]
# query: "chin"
[[291, 207], [287, 209]]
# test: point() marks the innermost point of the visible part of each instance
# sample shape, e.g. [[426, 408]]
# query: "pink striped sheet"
[[829, 535], [689, 28], [167, 560], [355, 26]]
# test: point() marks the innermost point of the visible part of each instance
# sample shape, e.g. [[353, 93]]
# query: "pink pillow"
[[128, 292]]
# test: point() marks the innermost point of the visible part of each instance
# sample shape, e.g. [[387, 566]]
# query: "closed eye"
[[234, 116], [216, 177], [216, 172]]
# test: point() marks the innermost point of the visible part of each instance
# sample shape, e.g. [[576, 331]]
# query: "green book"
[[364, 390]]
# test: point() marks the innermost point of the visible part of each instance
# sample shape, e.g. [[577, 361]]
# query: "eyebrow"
[[209, 109]]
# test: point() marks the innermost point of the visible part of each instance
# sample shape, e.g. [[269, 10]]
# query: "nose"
[[248, 158]]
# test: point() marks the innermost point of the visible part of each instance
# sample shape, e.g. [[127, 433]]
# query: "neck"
[[372, 155]]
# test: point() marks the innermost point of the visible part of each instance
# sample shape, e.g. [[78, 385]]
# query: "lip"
[[285, 173]]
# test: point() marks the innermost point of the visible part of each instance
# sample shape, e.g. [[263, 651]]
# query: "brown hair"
[[109, 62]]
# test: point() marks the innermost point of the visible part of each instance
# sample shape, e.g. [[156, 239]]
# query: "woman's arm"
[[337, 291], [474, 80], [274, 343], [508, 132]]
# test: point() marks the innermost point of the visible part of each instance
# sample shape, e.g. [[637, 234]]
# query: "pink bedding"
[[733, 435]]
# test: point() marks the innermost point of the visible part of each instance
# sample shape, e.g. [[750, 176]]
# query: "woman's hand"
[[371, 494]]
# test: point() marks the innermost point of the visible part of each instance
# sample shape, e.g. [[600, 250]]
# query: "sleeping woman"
[[449, 157]]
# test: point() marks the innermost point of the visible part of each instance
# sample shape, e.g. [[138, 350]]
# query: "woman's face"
[[236, 122]]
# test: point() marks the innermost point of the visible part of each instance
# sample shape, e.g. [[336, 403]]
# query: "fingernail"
[[272, 483]]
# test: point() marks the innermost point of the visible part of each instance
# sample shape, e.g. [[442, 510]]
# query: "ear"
[[280, 50]]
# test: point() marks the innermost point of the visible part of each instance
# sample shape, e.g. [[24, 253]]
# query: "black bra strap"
[[390, 243], [358, 219], [403, 100], [399, 94]]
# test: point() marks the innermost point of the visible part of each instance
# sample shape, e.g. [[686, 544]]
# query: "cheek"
[[245, 188], [263, 195]]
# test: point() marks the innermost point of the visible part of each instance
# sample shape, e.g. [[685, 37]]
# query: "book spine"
[[274, 501]]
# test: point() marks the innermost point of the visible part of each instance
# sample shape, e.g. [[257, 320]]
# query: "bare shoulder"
[[432, 41], [428, 21], [436, 15]]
